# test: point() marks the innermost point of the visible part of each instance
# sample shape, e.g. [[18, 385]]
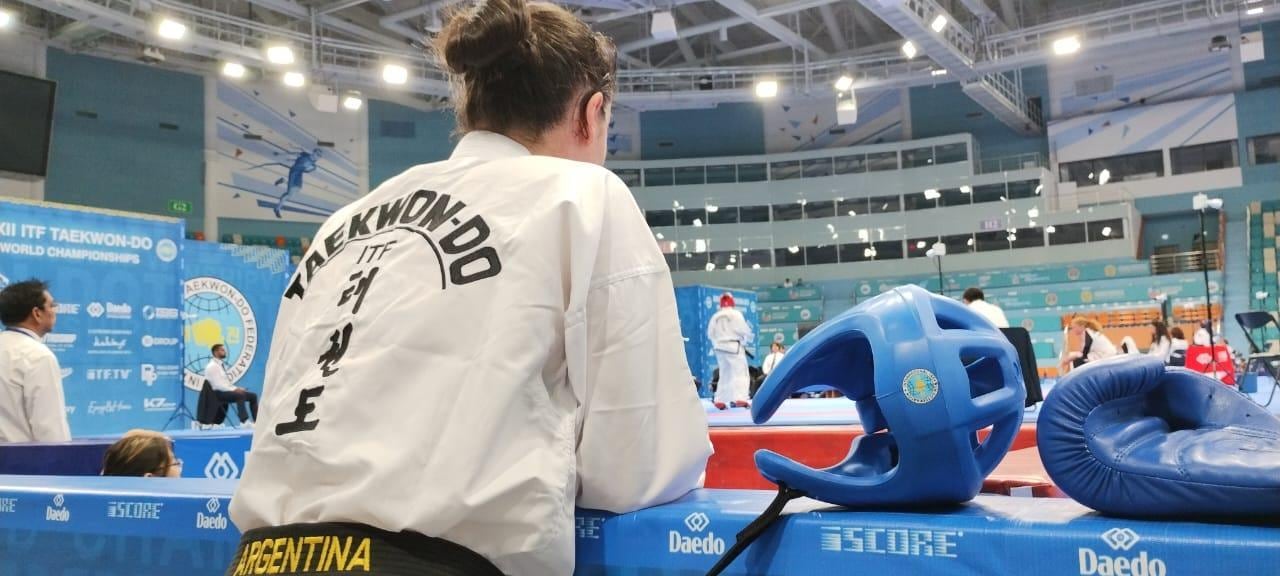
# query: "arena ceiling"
[[718, 51]]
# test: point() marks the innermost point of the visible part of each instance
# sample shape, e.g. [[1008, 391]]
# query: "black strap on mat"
[[756, 527]]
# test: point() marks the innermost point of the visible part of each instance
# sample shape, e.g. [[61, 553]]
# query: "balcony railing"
[[1185, 262]]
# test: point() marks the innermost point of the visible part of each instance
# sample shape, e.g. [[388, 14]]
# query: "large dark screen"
[[26, 118]]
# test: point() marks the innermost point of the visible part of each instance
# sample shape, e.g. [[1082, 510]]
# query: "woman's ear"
[[592, 116]]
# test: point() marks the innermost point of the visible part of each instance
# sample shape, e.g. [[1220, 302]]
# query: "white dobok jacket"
[[728, 331], [471, 350]]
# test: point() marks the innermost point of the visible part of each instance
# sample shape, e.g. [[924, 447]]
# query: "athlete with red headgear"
[[729, 335]]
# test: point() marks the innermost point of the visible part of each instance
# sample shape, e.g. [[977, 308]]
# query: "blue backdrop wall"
[[138, 306]]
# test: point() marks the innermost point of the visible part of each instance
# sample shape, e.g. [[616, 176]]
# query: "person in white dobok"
[[483, 344], [729, 335]]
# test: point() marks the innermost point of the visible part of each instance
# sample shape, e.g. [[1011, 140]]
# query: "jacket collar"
[[22, 330], [488, 146]]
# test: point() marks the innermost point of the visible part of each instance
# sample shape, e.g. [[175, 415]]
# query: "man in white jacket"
[[480, 344], [32, 405], [730, 334]]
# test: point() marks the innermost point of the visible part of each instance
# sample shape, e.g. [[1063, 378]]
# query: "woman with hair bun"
[[480, 344]]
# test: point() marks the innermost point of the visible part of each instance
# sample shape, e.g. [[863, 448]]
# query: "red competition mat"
[[733, 464]]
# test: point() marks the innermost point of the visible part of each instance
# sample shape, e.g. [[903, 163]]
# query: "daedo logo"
[[58, 512], [215, 520], [1120, 540], [698, 543], [110, 309]]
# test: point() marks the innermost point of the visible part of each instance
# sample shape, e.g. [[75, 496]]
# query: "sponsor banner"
[[116, 279], [791, 312], [789, 294], [990, 279]]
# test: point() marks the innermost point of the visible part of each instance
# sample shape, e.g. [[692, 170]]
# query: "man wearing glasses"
[[32, 406]]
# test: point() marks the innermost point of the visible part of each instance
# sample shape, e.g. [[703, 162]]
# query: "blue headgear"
[[926, 373]]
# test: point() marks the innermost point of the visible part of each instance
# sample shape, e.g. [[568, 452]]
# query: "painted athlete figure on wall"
[[305, 162]]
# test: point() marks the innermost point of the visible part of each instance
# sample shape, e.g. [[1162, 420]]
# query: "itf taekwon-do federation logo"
[[217, 313], [920, 386]]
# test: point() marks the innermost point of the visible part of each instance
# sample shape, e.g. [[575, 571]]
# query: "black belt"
[[331, 549]]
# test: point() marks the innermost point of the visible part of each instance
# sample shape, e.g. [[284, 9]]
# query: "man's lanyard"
[[22, 332]]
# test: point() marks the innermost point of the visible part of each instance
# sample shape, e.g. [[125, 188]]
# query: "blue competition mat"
[[991, 536], [169, 527]]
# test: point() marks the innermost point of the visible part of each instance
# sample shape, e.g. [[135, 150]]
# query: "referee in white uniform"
[[480, 344], [32, 406]]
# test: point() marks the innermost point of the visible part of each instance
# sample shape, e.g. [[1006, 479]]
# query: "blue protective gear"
[[1130, 437], [926, 373]]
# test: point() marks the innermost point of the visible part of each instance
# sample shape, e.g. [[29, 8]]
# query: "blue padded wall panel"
[[401, 137], [126, 136], [735, 129]]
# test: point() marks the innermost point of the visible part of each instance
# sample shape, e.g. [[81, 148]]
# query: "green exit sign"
[[179, 206]]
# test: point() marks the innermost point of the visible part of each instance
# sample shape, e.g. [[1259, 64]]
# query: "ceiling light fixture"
[[939, 22], [352, 101], [1067, 45], [766, 88], [909, 49], [171, 29], [233, 70], [395, 74], [278, 54]]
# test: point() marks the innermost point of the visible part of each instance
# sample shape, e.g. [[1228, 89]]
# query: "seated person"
[[227, 392], [1094, 345], [142, 453]]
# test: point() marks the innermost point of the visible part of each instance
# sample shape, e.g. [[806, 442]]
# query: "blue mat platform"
[[143, 527]]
